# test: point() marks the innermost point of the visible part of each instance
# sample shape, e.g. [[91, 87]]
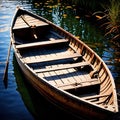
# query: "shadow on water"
[[37, 105]]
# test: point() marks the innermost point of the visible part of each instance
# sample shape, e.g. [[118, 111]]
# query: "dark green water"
[[19, 101]]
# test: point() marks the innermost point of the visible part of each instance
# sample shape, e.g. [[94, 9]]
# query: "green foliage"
[[113, 16], [114, 12], [110, 19]]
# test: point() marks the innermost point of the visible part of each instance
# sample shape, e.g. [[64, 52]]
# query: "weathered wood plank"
[[66, 79], [67, 66], [32, 22], [35, 20], [78, 85], [54, 75], [36, 44], [76, 77], [95, 96], [48, 59]]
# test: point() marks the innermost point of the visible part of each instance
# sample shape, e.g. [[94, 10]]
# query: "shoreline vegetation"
[[110, 18], [105, 13]]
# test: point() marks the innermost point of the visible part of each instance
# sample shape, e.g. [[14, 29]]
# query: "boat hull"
[[78, 68]]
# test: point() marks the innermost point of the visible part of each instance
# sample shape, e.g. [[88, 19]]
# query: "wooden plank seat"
[[80, 84], [65, 66], [36, 44], [52, 58]]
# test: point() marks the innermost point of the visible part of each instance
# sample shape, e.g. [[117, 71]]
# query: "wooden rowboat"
[[63, 68]]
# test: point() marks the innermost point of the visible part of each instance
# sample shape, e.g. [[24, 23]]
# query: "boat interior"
[[63, 61]]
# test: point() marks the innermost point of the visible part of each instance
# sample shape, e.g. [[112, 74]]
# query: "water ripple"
[[4, 27]]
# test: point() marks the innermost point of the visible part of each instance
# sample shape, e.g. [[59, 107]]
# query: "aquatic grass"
[[113, 24], [110, 20], [114, 12]]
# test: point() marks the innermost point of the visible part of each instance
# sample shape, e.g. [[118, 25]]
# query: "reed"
[[112, 26], [113, 16], [110, 20]]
